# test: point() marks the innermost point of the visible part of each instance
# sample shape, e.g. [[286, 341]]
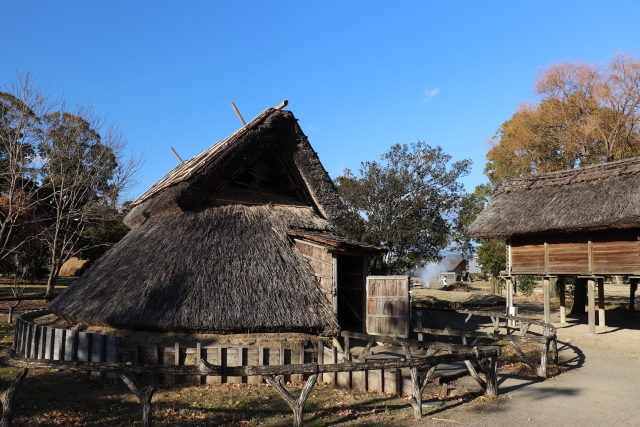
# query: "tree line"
[[586, 113], [63, 172]]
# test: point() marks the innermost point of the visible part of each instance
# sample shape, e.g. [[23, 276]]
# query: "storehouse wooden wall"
[[615, 252]]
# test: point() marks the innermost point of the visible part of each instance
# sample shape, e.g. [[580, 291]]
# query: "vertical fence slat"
[[260, 360], [58, 335], [69, 342], [321, 358], [111, 353], [16, 331], [301, 361], [82, 355]]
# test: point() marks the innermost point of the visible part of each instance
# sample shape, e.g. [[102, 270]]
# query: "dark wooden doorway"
[[352, 272]]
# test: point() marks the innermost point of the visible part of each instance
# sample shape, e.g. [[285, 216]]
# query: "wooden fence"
[[41, 342], [53, 348]]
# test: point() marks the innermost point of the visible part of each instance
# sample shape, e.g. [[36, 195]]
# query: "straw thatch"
[[600, 197], [224, 269], [74, 267], [209, 250]]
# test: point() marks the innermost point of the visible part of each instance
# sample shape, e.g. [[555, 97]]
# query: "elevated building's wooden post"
[[633, 287], [592, 305], [591, 290], [509, 286], [546, 289], [563, 304], [601, 320]]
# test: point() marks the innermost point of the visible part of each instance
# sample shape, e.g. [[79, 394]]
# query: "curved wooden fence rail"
[[32, 344], [486, 357], [547, 336]]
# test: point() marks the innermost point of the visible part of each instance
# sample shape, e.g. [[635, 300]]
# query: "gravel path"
[[600, 387]]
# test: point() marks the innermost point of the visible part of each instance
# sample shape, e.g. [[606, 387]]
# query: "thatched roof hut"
[[211, 246], [578, 221], [600, 197]]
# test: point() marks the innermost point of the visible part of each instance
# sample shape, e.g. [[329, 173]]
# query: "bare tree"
[[21, 107], [84, 168]]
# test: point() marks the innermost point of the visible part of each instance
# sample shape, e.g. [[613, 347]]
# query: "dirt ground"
[[598, 388]]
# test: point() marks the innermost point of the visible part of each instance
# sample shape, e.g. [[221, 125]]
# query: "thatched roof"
[[450, 264], [209, 250], [600, 197], [213, 169], [224, 269]]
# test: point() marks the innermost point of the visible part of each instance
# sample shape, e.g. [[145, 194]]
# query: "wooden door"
[[388, 305]]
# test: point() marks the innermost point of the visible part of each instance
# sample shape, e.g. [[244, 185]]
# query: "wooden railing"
[[546, 337]]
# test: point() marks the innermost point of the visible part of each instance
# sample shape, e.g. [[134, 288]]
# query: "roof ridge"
[[571, 176], [188, 168]]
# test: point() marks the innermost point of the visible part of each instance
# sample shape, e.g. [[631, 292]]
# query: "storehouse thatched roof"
[[600, 197], [209, 250]]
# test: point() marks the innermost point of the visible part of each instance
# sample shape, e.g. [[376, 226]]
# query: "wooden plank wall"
[[568, 255], [42, 342], [322, 264], [527, 255], [622, 255], [603, 253]]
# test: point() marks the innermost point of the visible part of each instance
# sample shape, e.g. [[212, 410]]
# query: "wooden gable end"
[[272, 178]]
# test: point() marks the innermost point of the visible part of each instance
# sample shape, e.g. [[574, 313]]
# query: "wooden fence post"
[[144, 396]]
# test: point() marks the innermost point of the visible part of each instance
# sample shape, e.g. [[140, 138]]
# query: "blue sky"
[[360, 76]]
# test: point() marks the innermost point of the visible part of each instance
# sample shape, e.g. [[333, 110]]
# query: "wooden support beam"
[[592, 306], [144, 396], [418, 382], [509, 285], [296, 405], [601, 319], [396, 341], [546, 289], [563, 304]]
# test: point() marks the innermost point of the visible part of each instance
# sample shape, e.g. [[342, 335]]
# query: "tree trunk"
[[6, 398], [51, 281], [11, 309], [579, 297]]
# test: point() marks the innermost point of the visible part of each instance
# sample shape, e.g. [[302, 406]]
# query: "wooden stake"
[[281, 105], [297, 405], [176, 154], [144, 396], [238, 114], [418, 383]]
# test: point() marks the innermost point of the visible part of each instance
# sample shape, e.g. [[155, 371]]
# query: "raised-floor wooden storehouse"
[[582, 222], [236, 240]]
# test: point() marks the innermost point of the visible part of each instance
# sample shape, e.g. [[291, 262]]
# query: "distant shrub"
[[526, 284]]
